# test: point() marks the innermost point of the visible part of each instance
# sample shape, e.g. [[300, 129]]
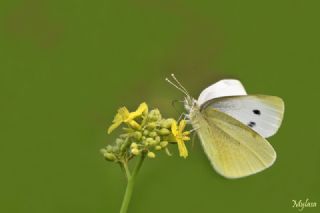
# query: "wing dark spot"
[[251, 124], [256, 111]]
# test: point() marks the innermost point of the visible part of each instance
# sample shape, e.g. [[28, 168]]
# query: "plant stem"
[[130, 184], [127, 171]]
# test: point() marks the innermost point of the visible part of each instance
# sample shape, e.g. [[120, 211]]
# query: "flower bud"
[[154, 115], [109, 148], [153, 134], [164, 143], [133, 145], [157, 138], [109, 156], [119, 141], [137, 135], [158, 148], [125, 135], [164, 131], [167, 123], [151, 141], [135, 151], [152, 125], [115, 149], [103, 151], [145, 132], [151, 155], [145, 142]]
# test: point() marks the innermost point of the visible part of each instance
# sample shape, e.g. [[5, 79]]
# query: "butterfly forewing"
[[262, 113], [233, 148]]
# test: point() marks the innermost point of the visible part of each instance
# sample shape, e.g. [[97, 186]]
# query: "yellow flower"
[[180, 136], [124, 116]]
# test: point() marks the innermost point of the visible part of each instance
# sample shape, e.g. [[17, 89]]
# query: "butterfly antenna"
[[174, 77], [181, 90]]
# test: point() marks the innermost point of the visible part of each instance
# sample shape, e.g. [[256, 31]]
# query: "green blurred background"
[[66, 66]]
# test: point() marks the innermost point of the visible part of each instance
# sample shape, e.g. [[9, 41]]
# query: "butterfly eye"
[[256, 111]]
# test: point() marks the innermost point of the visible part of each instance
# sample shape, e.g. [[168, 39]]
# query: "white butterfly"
[[232, 126]]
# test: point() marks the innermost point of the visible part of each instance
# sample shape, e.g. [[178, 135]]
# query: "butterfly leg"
[[184, 116], [192, 141]]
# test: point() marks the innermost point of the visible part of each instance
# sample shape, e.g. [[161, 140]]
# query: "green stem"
[[130, 184], [127, 171]]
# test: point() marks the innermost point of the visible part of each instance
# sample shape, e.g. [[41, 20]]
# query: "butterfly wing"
[[262, 113], [234, 149], [222, 88]]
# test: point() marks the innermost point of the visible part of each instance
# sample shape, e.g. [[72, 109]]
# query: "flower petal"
[[124, 113], [134, 124], [182, 125], [143, 107], [114, 126], [174, 128], [182, 149]]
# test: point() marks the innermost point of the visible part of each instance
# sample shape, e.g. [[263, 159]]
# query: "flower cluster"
[[145, 132]]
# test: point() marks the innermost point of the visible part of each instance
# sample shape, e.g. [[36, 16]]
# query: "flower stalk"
[[130, 183], [145, 133]]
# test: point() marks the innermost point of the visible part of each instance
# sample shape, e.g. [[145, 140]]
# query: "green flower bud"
[[151, 155], [152, 125], [119, 141], [145, 132], [151, 141], [109, 156], [103, 151], [158, 148], [154, 115], [109, 148], [153, 134], [158, 139], [164, 131], [115, 149], [124, 135], [135, 151], [145, 142], [133, 145], [137, 135], [167, 123], [164, 143]]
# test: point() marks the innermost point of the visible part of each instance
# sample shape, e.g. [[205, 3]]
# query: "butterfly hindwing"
[[233, 148], [262, 113]]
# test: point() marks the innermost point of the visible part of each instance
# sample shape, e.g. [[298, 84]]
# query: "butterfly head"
[[189, 102]]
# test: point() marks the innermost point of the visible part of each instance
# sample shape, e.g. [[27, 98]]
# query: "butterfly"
[[233, 126]]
